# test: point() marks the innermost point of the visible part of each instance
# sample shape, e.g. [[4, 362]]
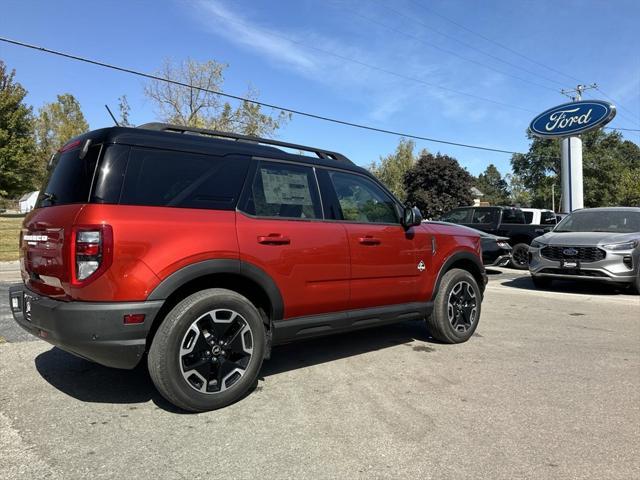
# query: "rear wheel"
[[520, 256], [541, 282], [208, 351], [456, 310]]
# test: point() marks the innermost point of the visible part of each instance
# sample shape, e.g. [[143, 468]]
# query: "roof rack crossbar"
[[167, 127]]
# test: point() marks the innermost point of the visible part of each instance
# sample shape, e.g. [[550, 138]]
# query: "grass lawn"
[[9, 235]]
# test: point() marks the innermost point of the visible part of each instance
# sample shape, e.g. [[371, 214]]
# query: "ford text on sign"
[[572, 118]]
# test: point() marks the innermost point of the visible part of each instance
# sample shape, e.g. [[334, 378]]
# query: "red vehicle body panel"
[[319, 266]]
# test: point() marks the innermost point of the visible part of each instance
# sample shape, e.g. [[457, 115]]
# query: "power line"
[[511, 50], [468, 45], [623, 129], [447, 51], [490, 40], [621, 107], [377, 68], [256, 102]]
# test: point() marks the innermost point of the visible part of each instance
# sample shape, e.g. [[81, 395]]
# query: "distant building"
[[27, 201], [477, 196]]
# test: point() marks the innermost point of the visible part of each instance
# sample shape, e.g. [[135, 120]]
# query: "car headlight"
[[622, 246], [537, 244]]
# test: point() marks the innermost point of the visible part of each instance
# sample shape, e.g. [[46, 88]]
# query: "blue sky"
[[279, 48]]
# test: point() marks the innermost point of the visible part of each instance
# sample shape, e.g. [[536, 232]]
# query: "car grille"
[[584, 254]]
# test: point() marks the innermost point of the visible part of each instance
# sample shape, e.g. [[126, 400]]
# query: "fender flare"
[[191, 272], [467, 256]]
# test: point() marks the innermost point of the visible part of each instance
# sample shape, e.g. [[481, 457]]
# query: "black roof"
[[172, 137]]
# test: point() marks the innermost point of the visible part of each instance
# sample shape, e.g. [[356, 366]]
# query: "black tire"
[[440, 324], [520, 256], [636, 284], [541, 282], [192, 334]]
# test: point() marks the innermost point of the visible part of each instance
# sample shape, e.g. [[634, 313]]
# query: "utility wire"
[[509, 49], [256, 102], [635, 115], [444, 50], [375, 67], [467, 45], [490, 40]]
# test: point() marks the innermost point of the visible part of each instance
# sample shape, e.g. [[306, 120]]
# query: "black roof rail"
[[167, 127]]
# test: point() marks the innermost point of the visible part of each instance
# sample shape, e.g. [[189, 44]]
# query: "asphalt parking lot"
[[549, 387]]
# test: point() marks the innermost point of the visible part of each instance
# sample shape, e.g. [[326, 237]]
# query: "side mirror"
[[411, 217]]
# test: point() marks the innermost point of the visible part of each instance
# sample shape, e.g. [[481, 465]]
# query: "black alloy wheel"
[[520, 256], [215, 351], [462, 307]]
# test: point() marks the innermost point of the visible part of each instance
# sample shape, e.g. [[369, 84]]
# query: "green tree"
[[18, 163], [518, 194], [56, 124], [194, 107], [437, 183], [494, 187], [606, 157], [392, 168], [125, 110]]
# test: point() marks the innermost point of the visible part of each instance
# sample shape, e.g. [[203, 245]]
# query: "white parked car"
[[539, 216]]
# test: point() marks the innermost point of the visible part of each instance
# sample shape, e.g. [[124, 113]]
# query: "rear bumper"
[[95, 331], [500, 261]]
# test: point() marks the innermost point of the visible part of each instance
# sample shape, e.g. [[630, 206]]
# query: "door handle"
[[369, 240], [274, 239]]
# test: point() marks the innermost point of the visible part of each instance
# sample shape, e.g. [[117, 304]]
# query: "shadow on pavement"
[[90, 382], [579, 287]]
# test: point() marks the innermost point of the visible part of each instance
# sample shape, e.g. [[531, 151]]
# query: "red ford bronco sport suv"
[[203, 249]]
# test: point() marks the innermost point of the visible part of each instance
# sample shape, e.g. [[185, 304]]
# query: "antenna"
[[110, 113]]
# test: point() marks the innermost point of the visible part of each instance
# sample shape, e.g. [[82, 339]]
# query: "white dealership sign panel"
[[571, 173]]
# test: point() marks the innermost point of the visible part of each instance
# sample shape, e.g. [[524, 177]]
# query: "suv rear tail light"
[[91, 252]]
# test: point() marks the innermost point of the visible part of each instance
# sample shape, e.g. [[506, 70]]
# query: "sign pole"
[[571, 174]]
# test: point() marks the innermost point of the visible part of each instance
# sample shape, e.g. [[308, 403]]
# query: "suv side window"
[[485, 215], [459, 215], [547, 218], [513, 215], [362, 201], [283, 190], [178, 179]]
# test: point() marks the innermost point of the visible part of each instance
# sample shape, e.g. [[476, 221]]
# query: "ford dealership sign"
[[572, 118]]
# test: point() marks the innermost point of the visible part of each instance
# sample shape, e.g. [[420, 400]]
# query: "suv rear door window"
[[513, 215], [283, 190], [362, 201], [69, 178], [459, 215], [178, 179], [485, 215]]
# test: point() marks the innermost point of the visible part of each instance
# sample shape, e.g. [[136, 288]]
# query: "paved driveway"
[[549, 387]]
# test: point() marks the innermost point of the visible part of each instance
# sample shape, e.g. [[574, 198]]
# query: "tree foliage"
[[56, 124], [437, 183], [607, 160], [494, 187], [17, 148], [392, 168], [195, 107], [125, 110]]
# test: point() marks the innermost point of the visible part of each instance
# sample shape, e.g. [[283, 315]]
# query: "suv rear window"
[[178, 179], [70, 178], [548, 218]]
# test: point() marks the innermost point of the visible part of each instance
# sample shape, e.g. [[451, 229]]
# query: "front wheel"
[[208, 351], [520, 256], [456, 310]]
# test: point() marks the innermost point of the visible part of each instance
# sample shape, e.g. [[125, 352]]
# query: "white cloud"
[[382, 94]]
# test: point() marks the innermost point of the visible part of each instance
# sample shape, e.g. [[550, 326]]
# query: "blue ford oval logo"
[[572, 118], [570, 252]]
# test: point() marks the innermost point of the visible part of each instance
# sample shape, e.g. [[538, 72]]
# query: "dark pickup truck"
[[502, 221]]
